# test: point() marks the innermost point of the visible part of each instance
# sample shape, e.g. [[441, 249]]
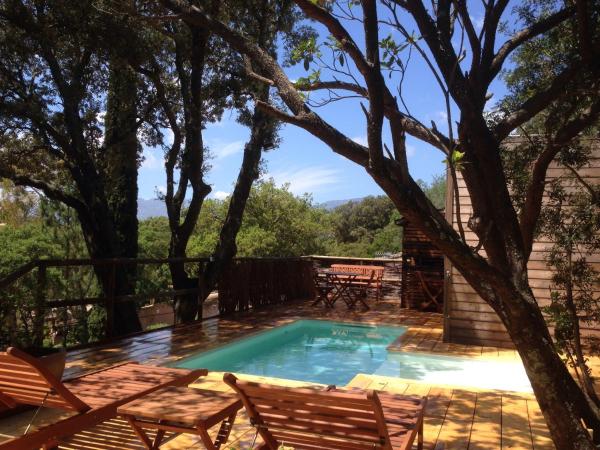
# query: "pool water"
[[334, 352]]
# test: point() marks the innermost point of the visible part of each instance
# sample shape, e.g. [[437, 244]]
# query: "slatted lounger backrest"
[[310, 419], [23, 380]]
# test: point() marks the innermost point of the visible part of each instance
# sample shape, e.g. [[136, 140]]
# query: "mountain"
[[332, 204], [151, 208], [156, 208]]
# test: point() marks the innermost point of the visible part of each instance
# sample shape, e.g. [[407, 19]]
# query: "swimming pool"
[[334, 352]]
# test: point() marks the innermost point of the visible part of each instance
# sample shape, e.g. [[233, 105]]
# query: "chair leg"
[[420, 436]]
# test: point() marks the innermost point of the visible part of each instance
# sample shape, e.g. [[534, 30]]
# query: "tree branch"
[[49, 190], [535, 190], [375, 86], [534, 104], [525, 35]]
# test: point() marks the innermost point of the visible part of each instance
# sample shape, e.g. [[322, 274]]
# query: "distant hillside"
[[332, 204], [151, 208], [156, 208]]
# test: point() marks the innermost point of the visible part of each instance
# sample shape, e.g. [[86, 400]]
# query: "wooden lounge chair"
[[333, 419], [93, 398]]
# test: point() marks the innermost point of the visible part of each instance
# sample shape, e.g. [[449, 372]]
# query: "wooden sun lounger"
[[93, 398], [333, 419]]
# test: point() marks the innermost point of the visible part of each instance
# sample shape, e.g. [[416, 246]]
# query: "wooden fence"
[[258, 282]]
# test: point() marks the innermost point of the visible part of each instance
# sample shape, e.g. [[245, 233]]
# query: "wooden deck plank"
[[455, 418], [516, 433]]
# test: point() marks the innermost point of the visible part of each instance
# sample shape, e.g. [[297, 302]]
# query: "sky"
[[303, 161]]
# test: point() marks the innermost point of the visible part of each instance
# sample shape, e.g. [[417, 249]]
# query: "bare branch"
[[252, 74], [51, 191], [475, 43]]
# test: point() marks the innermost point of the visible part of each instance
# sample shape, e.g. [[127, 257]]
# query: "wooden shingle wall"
[[418, 254], [469, 319]]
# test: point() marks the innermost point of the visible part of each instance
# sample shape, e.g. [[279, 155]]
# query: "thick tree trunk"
[[226, 248], [260, 137], [120, 163], [191, 170], [560, 398]]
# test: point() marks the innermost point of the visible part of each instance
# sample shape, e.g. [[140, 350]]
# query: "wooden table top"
[[183, 405]]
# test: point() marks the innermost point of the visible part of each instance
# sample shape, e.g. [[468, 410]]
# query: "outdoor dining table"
[[341, 282]]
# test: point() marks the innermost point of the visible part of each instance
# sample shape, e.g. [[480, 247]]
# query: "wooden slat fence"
[[254, 283]]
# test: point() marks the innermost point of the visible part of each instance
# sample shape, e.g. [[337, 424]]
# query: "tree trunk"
[[120, 172], [560, 398], [261, 136]]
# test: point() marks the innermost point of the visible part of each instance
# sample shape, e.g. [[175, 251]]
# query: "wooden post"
[[110, 299], [40, 299]]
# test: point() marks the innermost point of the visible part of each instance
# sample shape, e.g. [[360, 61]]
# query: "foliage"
[[571, 221], [17, 205]]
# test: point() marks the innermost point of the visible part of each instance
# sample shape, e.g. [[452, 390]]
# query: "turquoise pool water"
[[333, 353]]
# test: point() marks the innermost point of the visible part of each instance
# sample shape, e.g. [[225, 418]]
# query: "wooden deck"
[[457, 418]]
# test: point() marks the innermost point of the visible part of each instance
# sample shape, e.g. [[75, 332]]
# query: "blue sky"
[[308, 165]]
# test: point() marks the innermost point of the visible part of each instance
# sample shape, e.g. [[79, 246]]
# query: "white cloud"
[[222, 149], [477, 22], [362, 140], [410, 150], [161, 189], [442, 115], [151, 161], [306, 179], [220, 195]]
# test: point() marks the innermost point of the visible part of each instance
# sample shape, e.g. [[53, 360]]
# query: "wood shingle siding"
[[470, 320]]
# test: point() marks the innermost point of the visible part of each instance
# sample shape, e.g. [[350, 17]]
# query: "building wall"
[[469, 319]]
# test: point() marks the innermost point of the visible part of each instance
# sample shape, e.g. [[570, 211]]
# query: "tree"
[[195, 78], [277, 223], [571, 221], [17, 205], [507, 237], [59, 71]]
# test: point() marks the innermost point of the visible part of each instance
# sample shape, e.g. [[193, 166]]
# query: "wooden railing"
[[51, 300], [61, 302]]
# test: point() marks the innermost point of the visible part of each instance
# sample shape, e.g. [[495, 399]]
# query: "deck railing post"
[[110, 298], [40, 300]]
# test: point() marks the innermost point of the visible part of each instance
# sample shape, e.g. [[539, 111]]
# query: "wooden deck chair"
[[307, 419], [92, 398], [358, 290], [323, 289], [365, 271]]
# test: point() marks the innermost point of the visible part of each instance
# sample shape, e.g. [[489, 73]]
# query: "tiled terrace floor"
[[456, 418]]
